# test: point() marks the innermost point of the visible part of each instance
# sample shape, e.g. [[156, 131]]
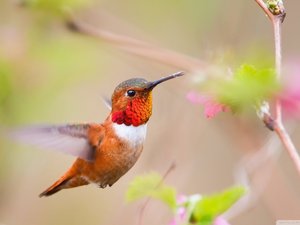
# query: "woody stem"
[[277, 19]]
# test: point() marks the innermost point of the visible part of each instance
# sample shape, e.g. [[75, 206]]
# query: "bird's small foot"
[[102, 185]]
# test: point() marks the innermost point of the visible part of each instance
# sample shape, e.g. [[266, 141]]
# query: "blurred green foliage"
[[203, 212], [247, 87], [53, 63], [6, 88], [211, 206], [151, 185], [5, 83], [57, 7], [45, 63]]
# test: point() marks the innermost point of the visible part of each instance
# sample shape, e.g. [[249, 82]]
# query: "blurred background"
[[49, 74]]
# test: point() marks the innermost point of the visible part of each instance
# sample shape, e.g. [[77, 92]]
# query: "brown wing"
[[73, 139]]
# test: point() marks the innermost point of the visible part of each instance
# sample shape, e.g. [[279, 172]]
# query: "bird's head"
[[132, 100]]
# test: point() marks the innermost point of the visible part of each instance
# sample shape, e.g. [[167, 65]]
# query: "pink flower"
[[180, 216], [211, 106], [181, 212], [181, 199], [173, 222], [291, 103], [290, 96], [220, 221]]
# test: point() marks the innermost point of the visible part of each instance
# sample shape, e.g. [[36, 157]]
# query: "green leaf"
[[209, 207], [248, 87], [209, 222], [151, 185]]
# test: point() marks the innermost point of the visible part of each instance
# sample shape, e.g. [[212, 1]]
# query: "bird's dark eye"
[[131, 93]]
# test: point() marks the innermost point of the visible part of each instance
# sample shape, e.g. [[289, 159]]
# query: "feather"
[[69, 139], [107, 102]]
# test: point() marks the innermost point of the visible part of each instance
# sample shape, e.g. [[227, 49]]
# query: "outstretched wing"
[[70, 139]]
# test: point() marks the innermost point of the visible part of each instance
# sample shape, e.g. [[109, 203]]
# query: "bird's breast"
[[133, 135], [118, 152]]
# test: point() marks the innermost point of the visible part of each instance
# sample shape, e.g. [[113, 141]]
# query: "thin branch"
[[264, 7], [279, 127], [143, 208], [139, 48], [288, 144], [277, 15], [276, 22], [277, 11]]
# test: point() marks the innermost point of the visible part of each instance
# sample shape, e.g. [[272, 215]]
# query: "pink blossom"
[[181, 212], [291, 103], [211, 106], [220, 221], [180, 216], [181, 199], [173, 222], [290, 95]]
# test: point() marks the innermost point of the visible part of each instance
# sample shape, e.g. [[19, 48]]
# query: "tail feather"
[[66, 181], [57, 186]]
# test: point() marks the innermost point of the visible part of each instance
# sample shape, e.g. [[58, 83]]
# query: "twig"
[[288, 144], [279, 128], [277, 10], [264, 7], [139, 48], [143, 207], [277, 15], [278, 58]]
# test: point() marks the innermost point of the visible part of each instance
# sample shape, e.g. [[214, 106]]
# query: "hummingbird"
[[105, 151]]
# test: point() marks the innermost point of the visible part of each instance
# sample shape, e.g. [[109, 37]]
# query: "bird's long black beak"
[[152, 84]]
